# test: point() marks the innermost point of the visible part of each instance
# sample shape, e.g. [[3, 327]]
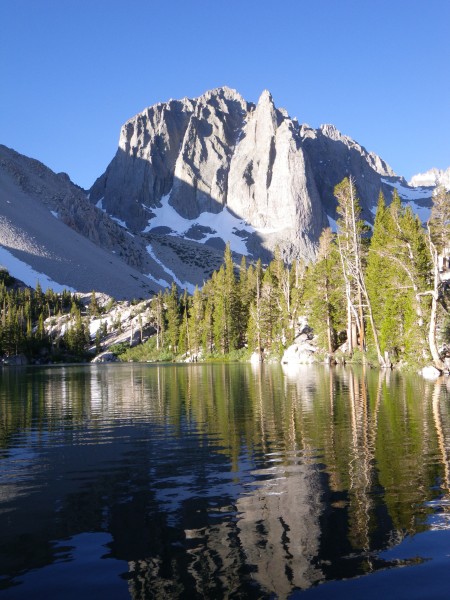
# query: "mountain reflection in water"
[[214, 481]]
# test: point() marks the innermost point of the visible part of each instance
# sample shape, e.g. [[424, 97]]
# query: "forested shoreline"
[[373, 294]]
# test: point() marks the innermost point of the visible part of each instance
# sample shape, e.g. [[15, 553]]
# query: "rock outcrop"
[[118, 323], [49, 228], [218, 154], [299, 353]]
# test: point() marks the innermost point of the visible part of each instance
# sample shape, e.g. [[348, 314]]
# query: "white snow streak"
[[183, 285], [118, 221], [423, 212], [115, 219], [29, 276], [161, 282]]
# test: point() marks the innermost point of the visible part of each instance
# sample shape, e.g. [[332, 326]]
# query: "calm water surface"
[[223, 481]]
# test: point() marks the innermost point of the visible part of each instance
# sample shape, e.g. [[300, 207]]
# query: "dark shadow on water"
[[218, 480]]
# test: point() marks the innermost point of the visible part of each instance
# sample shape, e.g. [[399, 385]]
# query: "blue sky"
[[73, 71]]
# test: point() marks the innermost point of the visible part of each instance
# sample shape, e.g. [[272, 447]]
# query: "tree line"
[[375, 293], [372, 292], [24, 314]]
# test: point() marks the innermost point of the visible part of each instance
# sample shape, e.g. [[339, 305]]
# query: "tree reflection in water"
[[218, 480]]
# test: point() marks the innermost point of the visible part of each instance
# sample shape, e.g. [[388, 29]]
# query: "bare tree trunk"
[[434, 306], [361, 322], [381, 360], [258, 316], [329, 338]]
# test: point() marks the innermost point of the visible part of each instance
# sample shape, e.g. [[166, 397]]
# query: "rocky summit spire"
[[219, 151], [265, 98]]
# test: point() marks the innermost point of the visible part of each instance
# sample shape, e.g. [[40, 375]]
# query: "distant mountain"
[[189, 176], [431, 178]]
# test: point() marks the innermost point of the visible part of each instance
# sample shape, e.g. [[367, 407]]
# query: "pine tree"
[[94, 308], [172, 315], [226, 306], [351, 254], [255, 321], [184, 341], [270, 326], [208, 324], [397, 271], [245, 293], [196, 319], [324, 293], [297, 285], [158, 306], [282, 299]]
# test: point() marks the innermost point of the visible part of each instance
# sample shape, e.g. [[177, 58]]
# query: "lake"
[[223, 481]]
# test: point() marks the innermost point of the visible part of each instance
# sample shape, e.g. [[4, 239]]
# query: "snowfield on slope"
[[28, 275], [224, 225]]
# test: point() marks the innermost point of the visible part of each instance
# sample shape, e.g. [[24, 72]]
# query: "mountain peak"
[[331, 131], [224, 92], [266, 98]]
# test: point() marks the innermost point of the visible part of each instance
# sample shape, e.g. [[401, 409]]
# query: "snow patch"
[[224, 223], [333, 224], [55, 214], [409, 196], [183, 285], [265, 229], [29, 276], [115, 219], [406, 193]]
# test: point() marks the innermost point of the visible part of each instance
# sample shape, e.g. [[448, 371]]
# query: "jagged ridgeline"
[[219, 169], [188, 177]]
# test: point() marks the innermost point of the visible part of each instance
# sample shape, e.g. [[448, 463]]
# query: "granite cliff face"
[[334, 156], [181, 162], [189, 176]]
